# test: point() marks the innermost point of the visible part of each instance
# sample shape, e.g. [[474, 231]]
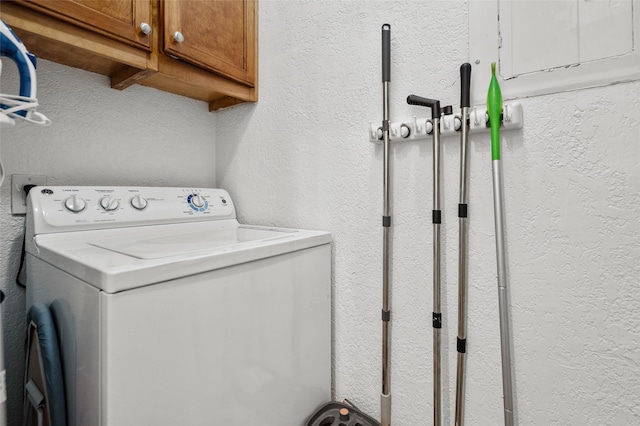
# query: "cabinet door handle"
[[145, 28], [178, 37]]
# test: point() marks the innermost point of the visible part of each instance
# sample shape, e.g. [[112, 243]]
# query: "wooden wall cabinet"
[[205, 50]]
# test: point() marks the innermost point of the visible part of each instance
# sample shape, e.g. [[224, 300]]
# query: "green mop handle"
[[494, 109]]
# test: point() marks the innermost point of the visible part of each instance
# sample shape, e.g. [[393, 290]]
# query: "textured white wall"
[[99, 136], [301, 158]]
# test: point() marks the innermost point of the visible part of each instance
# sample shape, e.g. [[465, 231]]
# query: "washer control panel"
[[84, 207]]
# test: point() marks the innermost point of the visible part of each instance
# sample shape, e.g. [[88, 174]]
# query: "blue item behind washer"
[[39, 318], [11, 47]]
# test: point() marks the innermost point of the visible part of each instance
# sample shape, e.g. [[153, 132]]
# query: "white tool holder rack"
[[416, 128]]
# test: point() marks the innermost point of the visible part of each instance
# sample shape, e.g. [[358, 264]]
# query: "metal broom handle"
[[437, 282], [385, 396], [465, 78]]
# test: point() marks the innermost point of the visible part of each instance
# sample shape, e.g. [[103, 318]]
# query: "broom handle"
[[385, 396], [465, 78]]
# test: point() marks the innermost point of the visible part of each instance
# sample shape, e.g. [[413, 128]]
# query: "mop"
[[494, 109]]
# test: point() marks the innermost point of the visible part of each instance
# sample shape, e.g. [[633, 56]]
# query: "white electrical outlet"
[[18, 195]]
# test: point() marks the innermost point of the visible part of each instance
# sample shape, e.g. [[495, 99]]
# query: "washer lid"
[[167, 244], [114, 260]]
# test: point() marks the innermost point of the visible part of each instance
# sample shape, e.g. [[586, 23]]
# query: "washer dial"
[[75, 204], [197, 202], [139, 203], [109, 203]]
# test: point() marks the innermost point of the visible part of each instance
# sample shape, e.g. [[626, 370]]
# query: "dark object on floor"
[[340, 414]]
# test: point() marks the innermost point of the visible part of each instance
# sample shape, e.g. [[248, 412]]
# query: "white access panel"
[[606, 29], [565, 33], [552, 46]]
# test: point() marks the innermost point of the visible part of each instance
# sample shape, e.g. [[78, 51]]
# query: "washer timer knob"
[[75, 204], [109, 203], [139, 203], [197, 200]]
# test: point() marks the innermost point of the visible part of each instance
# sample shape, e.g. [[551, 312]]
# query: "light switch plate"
[[18, 196]]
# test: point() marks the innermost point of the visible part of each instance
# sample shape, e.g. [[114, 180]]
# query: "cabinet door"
[[217, 35], [118, 19]]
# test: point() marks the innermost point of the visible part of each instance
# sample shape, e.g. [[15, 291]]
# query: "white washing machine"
[[176, 313]]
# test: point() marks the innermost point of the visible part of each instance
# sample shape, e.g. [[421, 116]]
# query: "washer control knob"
[[139, 203], [109, 203], [75, 204], [197, 200]]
